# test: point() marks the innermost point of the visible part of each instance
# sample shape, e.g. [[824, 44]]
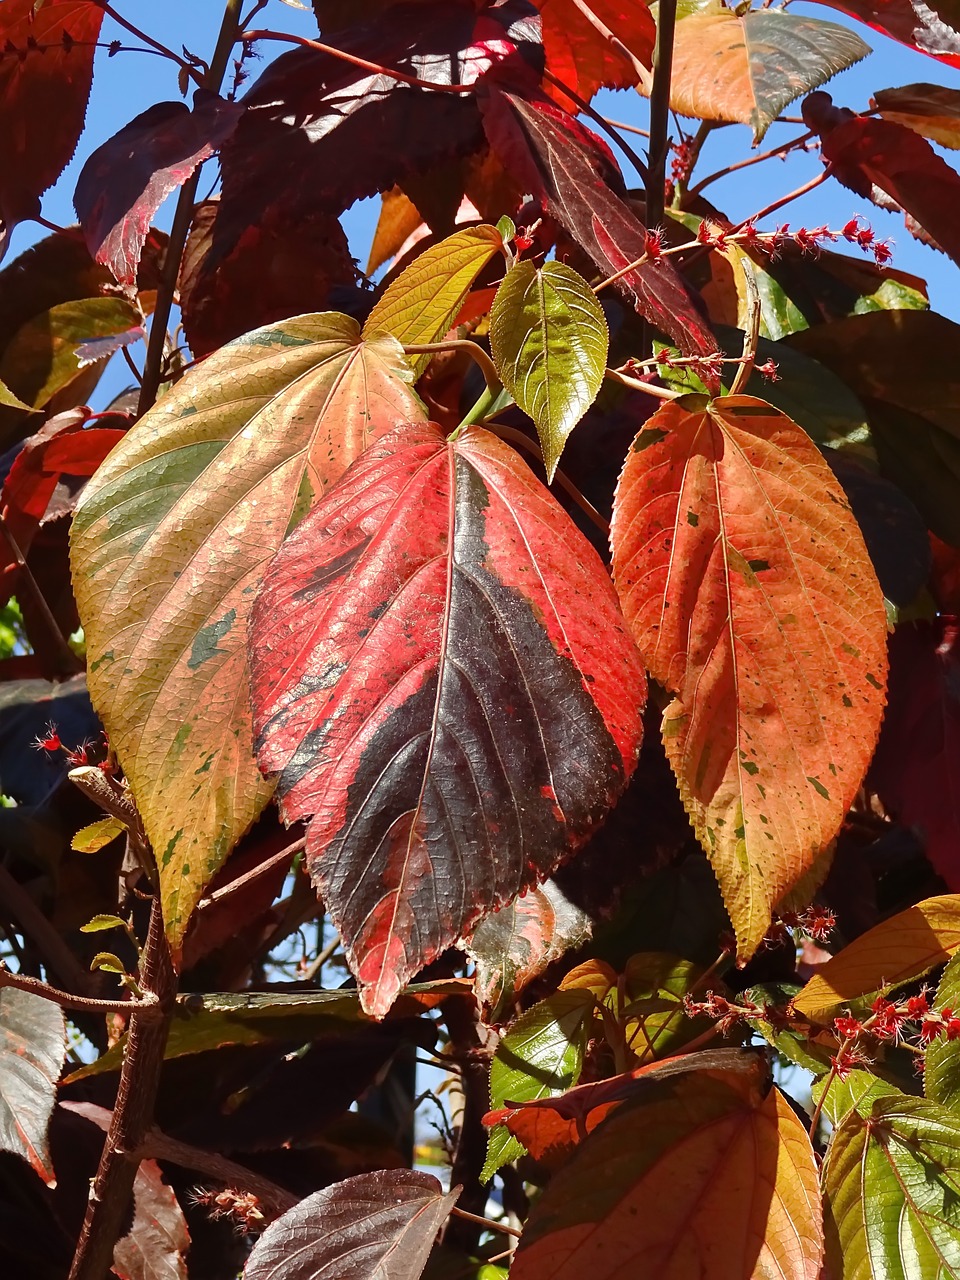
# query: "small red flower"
[[768, 370], [930, 1028], [888, 1019], [848, 1060], [918, 1006], [953, 1028], [847, 1027], [50, 741], [80, 755], [654, 245], [522, 242]]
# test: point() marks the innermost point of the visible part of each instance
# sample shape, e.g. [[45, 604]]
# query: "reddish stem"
[[248, 37]]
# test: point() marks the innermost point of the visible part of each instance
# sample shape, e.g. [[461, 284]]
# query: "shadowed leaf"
[[430, 609], [33, 1045], [579, 55], [155, 1246], [748, 588], [934, 28], [931, 110], [213, 476]]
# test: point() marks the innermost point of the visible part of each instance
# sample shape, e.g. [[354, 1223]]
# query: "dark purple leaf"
[[378, 1226], [125, 181], [33, 1046], [154, 1247]]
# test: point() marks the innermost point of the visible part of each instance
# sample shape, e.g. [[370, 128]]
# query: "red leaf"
[[917, 766], [32, 1049], [582, 58], [373, 1227], [931, 28], [154, 1246], [567, 167], [125, 181], [356, 133], [441, 678], [878, 158], [46, 67]]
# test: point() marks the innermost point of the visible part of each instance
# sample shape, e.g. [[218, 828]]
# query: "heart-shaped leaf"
[[435, 607], [33, 1045], [747, 585], [549, 339], [175, 531]]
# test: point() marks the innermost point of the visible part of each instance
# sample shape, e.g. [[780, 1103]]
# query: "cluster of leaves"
[[344, 619]]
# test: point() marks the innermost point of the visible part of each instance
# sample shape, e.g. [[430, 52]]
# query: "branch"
[[659, 111], [147, 1007], [641, 72], [662, 393], [155, 45], [469, 1046], [751, 334], [473, 349], [248, 37], [285, 855], [31, 921], [743, 164], [158, 1146]]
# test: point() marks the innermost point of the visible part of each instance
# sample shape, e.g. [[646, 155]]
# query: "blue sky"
[[128, 83]]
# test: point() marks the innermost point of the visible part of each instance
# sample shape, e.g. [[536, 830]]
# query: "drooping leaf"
[[512, 946], [750, 593], [46, 68], [934, 29], [568, 167], [406, 740], [155, 1246], [747, 67], [33, 1045], [549, 339], [423, 302], [892, 1192], [932, 110], [904, 947], [917, 767], [377, 1226], [578, 53], [941, 1064], [539, 1057], [877, 156], [124, 181], [708, 1178], [175, 530], [356, 132]]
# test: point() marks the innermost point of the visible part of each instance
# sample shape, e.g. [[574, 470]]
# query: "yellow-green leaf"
[[11, 401], [169, 544], [422, 303], [941, 1071], [97, 924], [108, 962], [898, 950], [549, 339], [97, 835]]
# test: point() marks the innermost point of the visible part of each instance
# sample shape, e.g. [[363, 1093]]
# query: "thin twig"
[[758, 159], [155, 45], [285, 855], [559, 478], [249, 37], [159, 1146], [659, 111], [600, 121], [751, 334], [490, 1223], [476, 352], [778, 204], [629, 128], [642, 73], [55, 954], [321, 959], [147, 1006], [662, 393]]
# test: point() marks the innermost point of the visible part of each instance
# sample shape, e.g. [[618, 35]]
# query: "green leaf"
[[941, 1072], [108, 962], [97, 835], [794, 1042], [549, 339], [170, 541], [857, 1091], [98, 923], [892, 1188], [540, 1056], [11, 401], [423, 302], [507, 228]]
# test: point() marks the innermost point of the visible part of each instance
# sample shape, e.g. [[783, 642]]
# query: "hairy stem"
[[473, 349], [470, 1047], [147, 1007], [782, 150], [659, 111], [155, 45]]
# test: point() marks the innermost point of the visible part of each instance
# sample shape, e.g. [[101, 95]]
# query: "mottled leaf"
[[539, 1057], [941, 1065], [582, 57], [934, 28], [748, 67], [892, 1192], [707, 1178], [33, 1045], [932, 110], [429, 611], [97, 835], [512, 946], [423, 302], [560, 161], [377, 1226], [746, 583], [124, 181], [904, 947], [175, 531], [46, 67], [549, 339], [155, 1246]]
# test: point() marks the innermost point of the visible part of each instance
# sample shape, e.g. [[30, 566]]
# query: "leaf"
[[748, 588], [579, 55], [41, 360], [33, 1046], [549, 339], [892, 1192], [941, 1064], [856, 1091], [212, 476], [932, 110], [11, 401], [514, 945], [885, 162], [319, 134], [902, 948], [108, 963], [568, 167], [917, 765], [399, 219], [539, 1057], [377, 1226], [406, 740], [748, 67], [732, 1177], [791, 1035], [124, 181], [46, 69], [421, 305], [155, 1245], [931, 28], [99, 923]]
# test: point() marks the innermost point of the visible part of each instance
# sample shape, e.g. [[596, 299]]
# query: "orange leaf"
[[896, 951], [931, 110], [730, 1172], [578, 53], [748, 588]]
